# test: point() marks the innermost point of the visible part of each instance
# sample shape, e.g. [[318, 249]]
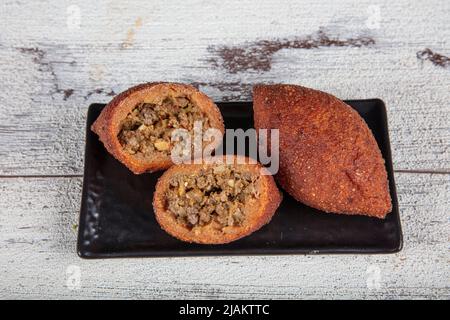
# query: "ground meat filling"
[[219, 193], [147, 129]]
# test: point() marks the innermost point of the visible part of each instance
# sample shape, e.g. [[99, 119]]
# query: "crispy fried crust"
[[261, 211], [329, 158], [107, 125]]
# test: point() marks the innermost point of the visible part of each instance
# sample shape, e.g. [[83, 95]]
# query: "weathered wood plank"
[[53, 68], [37, 245], [58, 62]]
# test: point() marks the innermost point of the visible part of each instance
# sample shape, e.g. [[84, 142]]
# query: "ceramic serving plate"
[[117, 220]]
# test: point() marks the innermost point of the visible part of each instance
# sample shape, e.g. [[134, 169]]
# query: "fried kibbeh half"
[[329, 158], [215, 203], [136, 126]]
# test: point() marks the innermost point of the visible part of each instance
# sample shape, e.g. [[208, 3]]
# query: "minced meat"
[[147, 129], [218, 193]]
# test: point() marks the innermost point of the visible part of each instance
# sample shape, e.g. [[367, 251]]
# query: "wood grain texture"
[[51, 71], [37, 244], [55, 62]]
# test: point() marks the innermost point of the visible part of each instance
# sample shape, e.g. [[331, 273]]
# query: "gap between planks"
[[35, 176]]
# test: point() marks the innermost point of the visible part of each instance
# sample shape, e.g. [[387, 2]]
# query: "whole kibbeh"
[[329, 158]]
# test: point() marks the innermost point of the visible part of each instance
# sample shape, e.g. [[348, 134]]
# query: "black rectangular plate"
[[117, 220]]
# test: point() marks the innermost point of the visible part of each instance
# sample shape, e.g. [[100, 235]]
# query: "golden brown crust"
[[260, 214], [107, 125], [329, 158]]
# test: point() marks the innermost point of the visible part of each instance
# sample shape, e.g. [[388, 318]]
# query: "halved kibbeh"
[[136, 126]]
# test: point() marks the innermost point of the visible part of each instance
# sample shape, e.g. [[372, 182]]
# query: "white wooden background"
[[57, 57]]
